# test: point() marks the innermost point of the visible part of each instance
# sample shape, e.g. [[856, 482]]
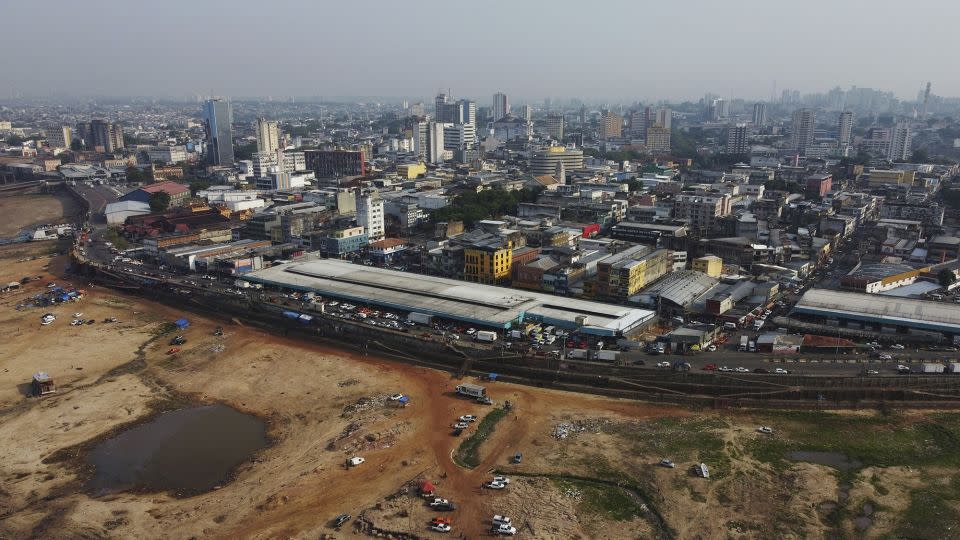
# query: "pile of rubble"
[[566, 429], [365, 404]]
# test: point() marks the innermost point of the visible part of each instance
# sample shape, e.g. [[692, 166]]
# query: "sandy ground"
[[20, 211], [110, 375]]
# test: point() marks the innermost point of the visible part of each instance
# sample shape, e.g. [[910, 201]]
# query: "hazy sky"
[[617, 50]]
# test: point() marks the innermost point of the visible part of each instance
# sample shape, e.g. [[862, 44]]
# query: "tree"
[[159, 201], [946, 277], [244, 151], [919, 155]]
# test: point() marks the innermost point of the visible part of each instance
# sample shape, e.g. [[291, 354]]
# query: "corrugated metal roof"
[[883, 309]]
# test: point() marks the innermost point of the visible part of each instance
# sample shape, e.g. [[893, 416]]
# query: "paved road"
[[98, 197]]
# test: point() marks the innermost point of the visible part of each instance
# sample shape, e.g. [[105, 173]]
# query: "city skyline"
[[809, 51]]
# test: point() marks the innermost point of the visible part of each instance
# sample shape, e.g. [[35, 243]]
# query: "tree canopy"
[[159, 201], [472, 207], [946, 277]]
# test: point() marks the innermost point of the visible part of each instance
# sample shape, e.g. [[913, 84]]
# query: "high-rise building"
[[759, 114], [545, 161], [218, 117], [554, 126], [60, 137], [440, 110], [335, 163], [268, 136], [459, 136], [370, 214], [525, 112], [845, 128], [664, 117], [900, 141], [801, 135], [101, 136], [420, 130], [501, 107], [737, 139], [658, 139], [434, 144], [611, 125], [721, 109]]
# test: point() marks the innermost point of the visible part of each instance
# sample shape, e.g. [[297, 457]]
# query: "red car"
[[439, 520], [174, 350], [710, 367]]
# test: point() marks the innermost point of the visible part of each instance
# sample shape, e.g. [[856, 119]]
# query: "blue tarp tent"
[[492, 376], [404, 400], [181, 323]]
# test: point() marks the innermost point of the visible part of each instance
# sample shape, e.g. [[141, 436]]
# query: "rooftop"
[[886, 310], [484, 305]]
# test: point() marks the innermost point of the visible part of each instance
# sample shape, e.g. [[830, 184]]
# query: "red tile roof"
[[172, 188]]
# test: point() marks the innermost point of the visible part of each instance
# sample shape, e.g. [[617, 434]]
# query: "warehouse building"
[[879, 312], [473, 303]]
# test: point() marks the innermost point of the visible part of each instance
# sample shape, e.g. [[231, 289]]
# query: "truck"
[[744, 343], [753, 346], [577, 354], [471, 390], [930, 367], [486, 335], [954, 367], [419, 318], [608, 356], [516, 334]]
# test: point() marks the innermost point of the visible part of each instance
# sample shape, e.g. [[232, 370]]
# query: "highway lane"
[[98, 196]]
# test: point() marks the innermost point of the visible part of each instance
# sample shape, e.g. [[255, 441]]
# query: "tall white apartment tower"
[[370, 214], [268, 136], [500, 106]]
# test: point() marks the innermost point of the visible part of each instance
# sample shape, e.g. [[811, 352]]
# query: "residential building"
[[178, 193], [459, 136], [611, 125], [818, 185], [702, 211], [410, 171], [801, 135], [339, 243], [60, 137], [554, 126], [510, 127], [167, 154], [489, 261], [759, 114], [737, 139], [101, 136], [218, 117], [268, 136], [370, 214], [664, 118], [335, 163], [501, 106], [845, 128], [623, 274], [434, 150], [900, 141], [658, 139]]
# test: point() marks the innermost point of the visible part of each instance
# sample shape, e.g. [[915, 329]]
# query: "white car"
[[461, 425], [439, 502], [781, 371], [885, 357], [508, 530], [712, 348], [897, 347], [765, 429], [471, 331], [501, 520], [468, 418], [77, 315], [724, 369], [501, 479], [663, 364], [396, 397], [667, 463], [356, 460], [440, 527], [495, 485], [741, 369]]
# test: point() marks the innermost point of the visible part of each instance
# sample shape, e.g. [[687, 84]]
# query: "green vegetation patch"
[[934, 510], [607, 501], [873, 441], [678, 439], [468, 454]]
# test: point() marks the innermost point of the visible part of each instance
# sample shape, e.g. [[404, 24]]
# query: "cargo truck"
[[471, 390], [954, 367], [608, 356], [419, 318], [487, 336], [744, 341], [577, 354], [932, 368]]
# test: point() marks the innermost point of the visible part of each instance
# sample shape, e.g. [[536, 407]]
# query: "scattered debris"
[[566, 429]]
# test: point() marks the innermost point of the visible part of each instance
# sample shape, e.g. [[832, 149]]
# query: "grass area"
[[679, 439], [608, 502], [934, 509], [468, 454], [874, 441]]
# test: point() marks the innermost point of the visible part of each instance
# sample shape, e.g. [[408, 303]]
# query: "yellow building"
[[411, 170], [879, 178], [624, 274], [488, 262], [710, 265]]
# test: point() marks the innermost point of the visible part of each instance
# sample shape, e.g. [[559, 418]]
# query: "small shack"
[[43, 384], [181, 324]]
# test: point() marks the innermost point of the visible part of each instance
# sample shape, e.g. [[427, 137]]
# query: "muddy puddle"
[[837, 460], [187, 451]]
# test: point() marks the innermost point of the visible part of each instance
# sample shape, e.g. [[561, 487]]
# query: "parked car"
[[663, 364], [461, 425], [518, 457], [468, 418], [501, 520], [710, 367], [667, 463], [501, 479], [885, 357], [507, 530], [760, 370], [897, 347], [765, 429], [494, 485], [781, 371], [741, 369], [340, 520], [440, 527], [724, 369]]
